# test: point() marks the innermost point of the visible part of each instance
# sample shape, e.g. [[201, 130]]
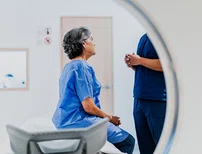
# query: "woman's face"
[[89, 46]]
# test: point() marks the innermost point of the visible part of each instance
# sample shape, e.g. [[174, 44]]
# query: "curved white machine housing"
[[178, 24]]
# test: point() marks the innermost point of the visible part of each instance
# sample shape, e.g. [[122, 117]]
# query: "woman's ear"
[[84, 45]]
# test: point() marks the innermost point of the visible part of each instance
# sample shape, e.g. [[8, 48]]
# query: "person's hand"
[[133, 59], [127, 60], [115, 120]]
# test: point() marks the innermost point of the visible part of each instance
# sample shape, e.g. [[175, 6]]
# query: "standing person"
[[79, 91], [149, 95]]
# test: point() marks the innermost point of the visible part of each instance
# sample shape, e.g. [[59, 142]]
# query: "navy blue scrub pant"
[[127, 145], [149, 118]]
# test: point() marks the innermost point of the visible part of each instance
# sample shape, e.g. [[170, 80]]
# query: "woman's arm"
[[90, 107]]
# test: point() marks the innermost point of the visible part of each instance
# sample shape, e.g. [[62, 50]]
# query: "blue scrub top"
[[149, 84], [78, 82]]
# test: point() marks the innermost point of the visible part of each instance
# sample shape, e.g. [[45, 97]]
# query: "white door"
[[101, 28]]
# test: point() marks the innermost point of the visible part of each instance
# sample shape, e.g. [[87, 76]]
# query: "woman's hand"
[[90, 107], [115, 120]]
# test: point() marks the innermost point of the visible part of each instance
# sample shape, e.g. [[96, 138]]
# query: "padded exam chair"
[[68, 141]]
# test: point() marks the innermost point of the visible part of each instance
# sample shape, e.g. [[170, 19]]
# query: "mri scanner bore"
[[129, 56]]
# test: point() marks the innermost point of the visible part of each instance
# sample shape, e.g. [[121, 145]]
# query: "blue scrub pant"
[[149, 118], [127, 145]]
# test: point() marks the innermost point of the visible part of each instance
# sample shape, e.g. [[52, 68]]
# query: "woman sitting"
[[79, 90]]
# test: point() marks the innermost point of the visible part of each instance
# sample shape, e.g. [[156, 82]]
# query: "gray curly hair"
[[73, 39]]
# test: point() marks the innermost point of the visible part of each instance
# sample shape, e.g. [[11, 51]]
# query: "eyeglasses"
[[91, 38]]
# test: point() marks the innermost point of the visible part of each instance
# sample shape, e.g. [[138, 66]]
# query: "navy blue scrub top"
[[149, 84]]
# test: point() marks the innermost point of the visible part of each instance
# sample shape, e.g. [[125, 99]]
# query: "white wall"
[[20, 21]]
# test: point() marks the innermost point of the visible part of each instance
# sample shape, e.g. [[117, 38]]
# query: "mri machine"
[[175, 29], [39, 136]]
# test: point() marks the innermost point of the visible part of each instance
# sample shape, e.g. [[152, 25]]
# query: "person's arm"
[[153, 64], [84, 90], [90, 107]]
